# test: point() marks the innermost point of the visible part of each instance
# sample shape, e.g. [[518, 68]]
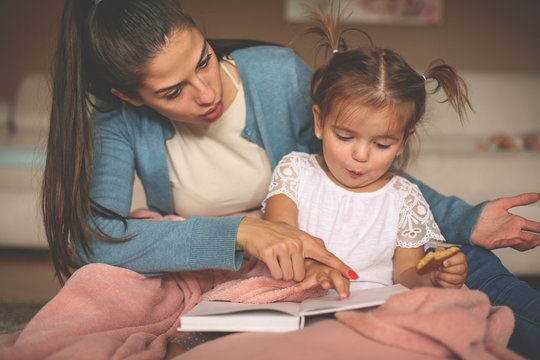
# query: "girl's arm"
[[280, 208], [451, 274], [405, 260]]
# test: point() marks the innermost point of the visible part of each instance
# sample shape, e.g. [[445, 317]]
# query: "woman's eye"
[[205, 61], [174, 94]]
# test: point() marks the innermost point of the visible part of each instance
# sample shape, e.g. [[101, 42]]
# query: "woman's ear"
[[317, 121], [126, 98]]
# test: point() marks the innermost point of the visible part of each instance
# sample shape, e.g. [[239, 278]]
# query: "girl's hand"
[[326, 277], [452, 273], [284, 247]]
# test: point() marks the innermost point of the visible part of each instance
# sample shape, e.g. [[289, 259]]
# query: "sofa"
[[450, 158]]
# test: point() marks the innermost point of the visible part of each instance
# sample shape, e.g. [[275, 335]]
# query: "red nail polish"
[[353, 275]]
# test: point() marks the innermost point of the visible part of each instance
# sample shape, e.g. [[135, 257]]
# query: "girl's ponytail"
[[452, 84]]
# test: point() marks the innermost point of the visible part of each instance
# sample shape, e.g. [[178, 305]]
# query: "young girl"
[[367, 104]]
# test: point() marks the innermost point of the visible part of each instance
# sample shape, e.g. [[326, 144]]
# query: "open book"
[[221, 316]]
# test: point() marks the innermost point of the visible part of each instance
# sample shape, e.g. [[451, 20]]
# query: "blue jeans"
[[488, 274]]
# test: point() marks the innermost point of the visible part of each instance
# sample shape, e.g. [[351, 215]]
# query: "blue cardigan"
[[278, 118]]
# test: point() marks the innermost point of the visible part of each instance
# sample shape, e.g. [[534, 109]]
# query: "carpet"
[[14, 315]]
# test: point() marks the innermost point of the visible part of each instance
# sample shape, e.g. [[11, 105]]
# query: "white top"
[[214, 170], [361, 228]]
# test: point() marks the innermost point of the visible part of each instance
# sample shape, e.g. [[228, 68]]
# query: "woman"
[[137, 88]]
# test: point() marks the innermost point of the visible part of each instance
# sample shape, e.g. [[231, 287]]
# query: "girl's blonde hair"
[[377, 77]]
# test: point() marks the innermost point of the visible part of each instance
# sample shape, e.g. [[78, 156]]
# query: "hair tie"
[[335, 51], [424, 76]]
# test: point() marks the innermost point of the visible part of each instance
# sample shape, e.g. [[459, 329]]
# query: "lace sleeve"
[[417, 227], [285, 178]]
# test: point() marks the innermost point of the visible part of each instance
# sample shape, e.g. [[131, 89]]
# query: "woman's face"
[[183, 82]]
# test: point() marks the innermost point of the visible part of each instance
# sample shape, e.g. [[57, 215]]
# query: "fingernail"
[[352, 275]]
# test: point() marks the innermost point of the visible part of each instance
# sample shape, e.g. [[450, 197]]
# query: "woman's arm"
[[488, 224], [455, 217], [124, 137]]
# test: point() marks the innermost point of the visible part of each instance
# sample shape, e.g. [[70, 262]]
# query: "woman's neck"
[[229, 88]]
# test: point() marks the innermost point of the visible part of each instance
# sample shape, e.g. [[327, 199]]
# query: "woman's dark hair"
[[102, 45]]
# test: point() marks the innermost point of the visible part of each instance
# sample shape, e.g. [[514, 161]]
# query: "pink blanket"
[[120, 314], [105, 312], [441, 322]]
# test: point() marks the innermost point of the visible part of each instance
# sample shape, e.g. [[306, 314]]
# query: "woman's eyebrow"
[[165, 89]]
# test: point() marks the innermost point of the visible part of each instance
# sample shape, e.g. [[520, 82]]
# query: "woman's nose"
[[204, 94]]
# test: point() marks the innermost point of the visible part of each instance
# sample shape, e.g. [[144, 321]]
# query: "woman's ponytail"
[[66, 179]]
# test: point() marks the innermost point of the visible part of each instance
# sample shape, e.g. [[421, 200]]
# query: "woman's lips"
[[214, 112]]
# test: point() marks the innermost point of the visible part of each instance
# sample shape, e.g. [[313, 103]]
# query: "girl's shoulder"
[[298, 160], [405, 188]]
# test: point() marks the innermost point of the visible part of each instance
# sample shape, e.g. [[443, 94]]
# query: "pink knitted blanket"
[[106, 312]]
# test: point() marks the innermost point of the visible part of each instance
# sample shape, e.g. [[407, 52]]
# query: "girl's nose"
[[361, 152]]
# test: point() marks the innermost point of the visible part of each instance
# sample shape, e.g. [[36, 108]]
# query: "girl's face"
[[360, 143], [183, 82]]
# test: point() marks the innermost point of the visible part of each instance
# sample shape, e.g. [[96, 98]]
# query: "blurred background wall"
[[490, 35]]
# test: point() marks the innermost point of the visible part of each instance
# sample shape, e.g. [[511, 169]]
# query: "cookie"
[[433, 259]]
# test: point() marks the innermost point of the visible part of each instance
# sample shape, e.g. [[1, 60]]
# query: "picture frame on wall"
[[372, 12]]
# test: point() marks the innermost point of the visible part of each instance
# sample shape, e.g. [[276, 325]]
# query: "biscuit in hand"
[[433, 259]]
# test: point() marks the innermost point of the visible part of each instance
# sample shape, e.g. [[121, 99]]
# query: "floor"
[[27, 276]]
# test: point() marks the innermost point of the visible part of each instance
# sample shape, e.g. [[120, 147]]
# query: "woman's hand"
[[497, 228], [452, 273], [326, 277], [283, 248]]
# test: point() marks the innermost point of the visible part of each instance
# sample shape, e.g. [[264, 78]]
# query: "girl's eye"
[[343, 138], [205, 61], [382, 146], [174, 94]]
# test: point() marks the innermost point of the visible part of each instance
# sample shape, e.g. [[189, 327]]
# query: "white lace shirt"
[[361, 228]]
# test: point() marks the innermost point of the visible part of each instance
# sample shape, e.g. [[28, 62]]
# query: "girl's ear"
[[317, 121], [405, 139], [126, 98]]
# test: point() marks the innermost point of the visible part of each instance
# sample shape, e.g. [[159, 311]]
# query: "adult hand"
[[283, 248], [497, 228]]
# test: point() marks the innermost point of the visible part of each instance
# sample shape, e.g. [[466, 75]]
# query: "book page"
[[224, 307], [359, 298]]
